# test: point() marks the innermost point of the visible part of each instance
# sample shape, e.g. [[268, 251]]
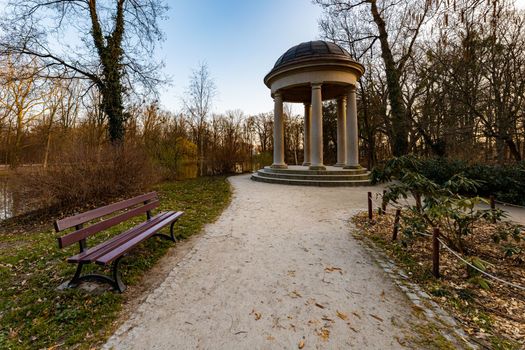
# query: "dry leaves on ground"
[[498, 311]]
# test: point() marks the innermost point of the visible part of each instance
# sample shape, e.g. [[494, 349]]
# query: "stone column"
[[278, 133], [341, 131], [307, 133], [352, 132], [316, 136]]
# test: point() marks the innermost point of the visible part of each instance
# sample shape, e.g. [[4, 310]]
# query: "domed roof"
[[312, 50]]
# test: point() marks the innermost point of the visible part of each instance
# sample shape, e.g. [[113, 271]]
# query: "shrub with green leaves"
[[443, 205], [505, 182]]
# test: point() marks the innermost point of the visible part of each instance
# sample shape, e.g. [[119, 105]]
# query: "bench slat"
[[125, 247], [92, 253], [81, 218], [83, 233]]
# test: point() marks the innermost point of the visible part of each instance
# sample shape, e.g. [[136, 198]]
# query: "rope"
[[509, 204], [468, 263], [474, 267], [483, 272]]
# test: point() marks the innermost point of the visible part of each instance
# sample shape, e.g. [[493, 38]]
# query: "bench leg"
[[171, 237], [117, 278], [76, 278], [115, 281], [171, 232]]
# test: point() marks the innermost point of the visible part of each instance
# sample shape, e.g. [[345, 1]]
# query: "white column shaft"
[[278, 132], [307, 127], [352, 131], [341, 131], [316, 137]]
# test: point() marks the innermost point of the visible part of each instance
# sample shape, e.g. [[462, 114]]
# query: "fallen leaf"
[[333, 269], [295, 294], [342, 315], [350, 326], [301, 344], [377, 317], [256, 314], [356, 315], [319, 305], [324, 333]]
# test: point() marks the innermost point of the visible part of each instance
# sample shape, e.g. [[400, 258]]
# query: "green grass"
[[34, 314]]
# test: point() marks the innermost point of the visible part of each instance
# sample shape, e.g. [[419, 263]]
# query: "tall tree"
[[397, 25], [198, 103], [107, 43]]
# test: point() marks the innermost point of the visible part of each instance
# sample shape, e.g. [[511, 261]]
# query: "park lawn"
[[34, 314]]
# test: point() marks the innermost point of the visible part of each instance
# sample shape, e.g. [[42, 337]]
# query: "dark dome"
[[311, 49]]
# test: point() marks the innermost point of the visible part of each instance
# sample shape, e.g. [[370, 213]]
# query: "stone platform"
[[301, 175]]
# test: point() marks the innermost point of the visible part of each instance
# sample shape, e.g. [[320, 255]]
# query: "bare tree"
[[396, 27], [107, 43], [21, 97], [198, 103], [263, 127]]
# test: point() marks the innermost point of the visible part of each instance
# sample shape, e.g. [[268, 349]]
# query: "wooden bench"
[[112, 250]]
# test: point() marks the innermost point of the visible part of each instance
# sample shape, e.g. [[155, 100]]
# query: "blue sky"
[[239, 40]]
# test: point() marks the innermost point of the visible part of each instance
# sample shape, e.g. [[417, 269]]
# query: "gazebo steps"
[[330, 170], [296, 175]]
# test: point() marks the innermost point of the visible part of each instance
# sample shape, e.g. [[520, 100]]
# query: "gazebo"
[[310, 73]]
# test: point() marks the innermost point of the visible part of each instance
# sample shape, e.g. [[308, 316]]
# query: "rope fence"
[[459, 257], [479, 270], [509, 204], [436, 241]]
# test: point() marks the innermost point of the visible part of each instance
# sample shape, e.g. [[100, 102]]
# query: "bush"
[[85, 176], [505, 182]]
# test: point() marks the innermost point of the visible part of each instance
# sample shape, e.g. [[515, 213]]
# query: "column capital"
[[277, 95], [316, 85], [342, 98], [351, 88]]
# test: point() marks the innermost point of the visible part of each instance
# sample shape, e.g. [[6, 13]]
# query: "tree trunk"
[[400, 125], [110, 51]]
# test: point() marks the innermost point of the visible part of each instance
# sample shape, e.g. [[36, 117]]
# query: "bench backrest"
[[135, 206]]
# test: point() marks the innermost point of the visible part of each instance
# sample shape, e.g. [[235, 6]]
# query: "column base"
[[279, 166], [306, 163], [340, 165], [317, 167], [357, 166]]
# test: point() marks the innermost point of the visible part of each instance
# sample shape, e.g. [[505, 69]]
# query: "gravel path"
[[277, 270]]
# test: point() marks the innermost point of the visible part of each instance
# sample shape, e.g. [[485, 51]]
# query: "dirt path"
[[277, 269]]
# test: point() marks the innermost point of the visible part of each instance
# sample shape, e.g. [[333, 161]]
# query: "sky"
[[240, 40]]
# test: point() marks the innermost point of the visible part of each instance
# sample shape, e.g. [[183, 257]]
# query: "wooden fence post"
[[493, 208], [396, 224], [419, 207], [435, 252], [383, 203], [370, 214]]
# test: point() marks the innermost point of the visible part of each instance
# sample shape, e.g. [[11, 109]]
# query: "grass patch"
[[34, 314]]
